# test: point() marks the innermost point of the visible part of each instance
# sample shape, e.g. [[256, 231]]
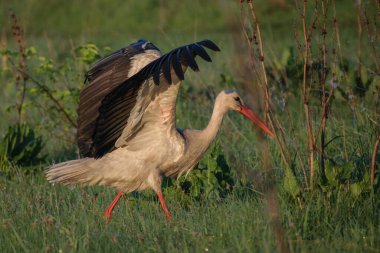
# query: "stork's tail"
[[70, 172]]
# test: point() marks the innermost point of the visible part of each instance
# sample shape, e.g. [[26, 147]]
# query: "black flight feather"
[[166, 68], [189, 56], [201, 52], [209, 44], [116, 106], [157, 70], [177, 65]]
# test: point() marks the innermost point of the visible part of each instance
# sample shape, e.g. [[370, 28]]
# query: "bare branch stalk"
[[249, 41], [360, 36], [267, 97], [323, 86], [285, 159], [307, 38], [336, 32], [282, 135], [283, 149], [373, 162], [18, 34], [271, 192], [49, 93], [372, 39], [272, 205]]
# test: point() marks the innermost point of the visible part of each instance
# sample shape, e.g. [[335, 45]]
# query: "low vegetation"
[[314, 187]]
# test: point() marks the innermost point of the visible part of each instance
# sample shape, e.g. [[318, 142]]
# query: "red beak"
[[255, 119]]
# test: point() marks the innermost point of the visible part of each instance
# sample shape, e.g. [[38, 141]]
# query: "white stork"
[[126, 121]]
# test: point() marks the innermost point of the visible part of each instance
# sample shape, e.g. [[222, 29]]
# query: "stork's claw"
[[108, 211], [108, 215]]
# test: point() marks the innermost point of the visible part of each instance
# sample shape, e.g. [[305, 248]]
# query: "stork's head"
[[145, 53], [230, 100], [143, 46]]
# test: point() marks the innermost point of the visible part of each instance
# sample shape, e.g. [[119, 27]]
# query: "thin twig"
[[49, 93], [249, 41], [285, 153], [336, 32], [307, 38], [373, 162], [344, 143], [360, 36], [18, 34], [264, 73], [324, 102], [270, 193], [286, 158], [372, 40]]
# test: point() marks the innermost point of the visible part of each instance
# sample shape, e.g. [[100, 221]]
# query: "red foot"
[[108, 211], [163, 205]]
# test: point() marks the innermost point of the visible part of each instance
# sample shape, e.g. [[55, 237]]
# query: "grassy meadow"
[[250, 193]]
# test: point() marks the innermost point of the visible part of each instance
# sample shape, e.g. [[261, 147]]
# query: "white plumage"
[[126, 121]]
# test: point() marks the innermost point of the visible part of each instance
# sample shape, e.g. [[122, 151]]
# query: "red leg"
[[109, 209], [163, 205]]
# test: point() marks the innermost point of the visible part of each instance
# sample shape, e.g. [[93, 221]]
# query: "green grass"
[[36, 216], [39, 217]]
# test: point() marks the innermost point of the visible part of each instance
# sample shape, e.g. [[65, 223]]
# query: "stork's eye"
[[149, 45], [237, 99], [145, 45]]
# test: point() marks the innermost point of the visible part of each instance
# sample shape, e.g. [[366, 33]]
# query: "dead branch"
[[336, 32], [360, 36], [264, 73], [18, 35], [372, 38], [258, 40], [373, 162], [48, 92], [249, 40], [305, 92], [324, 102], [272, 205]]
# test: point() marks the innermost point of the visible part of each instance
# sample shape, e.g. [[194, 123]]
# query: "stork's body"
[[148, 146]]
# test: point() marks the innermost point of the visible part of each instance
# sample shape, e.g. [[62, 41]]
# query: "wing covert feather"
[[119, 113]]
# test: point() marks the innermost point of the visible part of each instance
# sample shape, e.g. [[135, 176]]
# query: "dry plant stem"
[[267, 98], [272, 205], [285, 154], [18, 34], [373, 162], [282, 152], [344, 143], [307, 39], [3, 45], [360, 36], [337, 55], [378, 7], [249, 41], [296, 147], [336, 32], [282, 242], [372, 40], [271, 194], [267, 95], [302, 164], [323, 86], [49, 93]]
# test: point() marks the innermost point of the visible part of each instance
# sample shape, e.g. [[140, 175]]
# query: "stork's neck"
[[198, 141], [211, 130]]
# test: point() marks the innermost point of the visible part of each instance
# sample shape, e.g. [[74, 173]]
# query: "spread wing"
[[123, 107], [103, 77]]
